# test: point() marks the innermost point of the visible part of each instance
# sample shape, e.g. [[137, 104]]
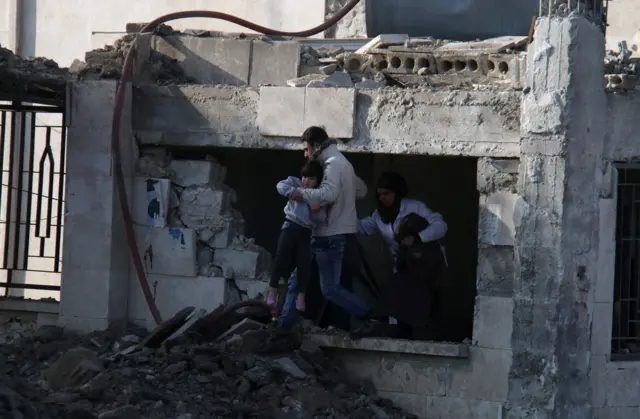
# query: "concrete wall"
[[623, 18], [472, 123]]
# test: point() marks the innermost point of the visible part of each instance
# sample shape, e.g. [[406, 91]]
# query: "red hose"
[[117, 116]]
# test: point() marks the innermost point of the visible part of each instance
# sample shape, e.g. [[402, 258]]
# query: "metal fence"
[[625, 342], [32, 158], [595, 10]]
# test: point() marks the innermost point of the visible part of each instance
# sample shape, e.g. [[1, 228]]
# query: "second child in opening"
[[294, 243]]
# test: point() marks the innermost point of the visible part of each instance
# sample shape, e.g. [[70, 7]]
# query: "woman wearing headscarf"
[[412, 233]]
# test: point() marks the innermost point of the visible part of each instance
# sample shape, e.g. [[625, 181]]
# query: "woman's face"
[[386, 197]]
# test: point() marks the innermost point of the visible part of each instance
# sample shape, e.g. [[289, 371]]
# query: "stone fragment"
[[422, 71], [73, 368], [305, 80], [202, 206], [47, 333], [240, 328], [337, 79], [335, 52], [369, 84], [289, 366], [245, 263], [176, 368], [381, 41], [167, 328], [329, 69], [258, 375]]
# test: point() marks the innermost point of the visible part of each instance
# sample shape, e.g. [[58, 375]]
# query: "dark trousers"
[[294, 252]]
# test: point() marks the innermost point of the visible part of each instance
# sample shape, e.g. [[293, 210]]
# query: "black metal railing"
[[32, 182], [625, 343], [594, 10]]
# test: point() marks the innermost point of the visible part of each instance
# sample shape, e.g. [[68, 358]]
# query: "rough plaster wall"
[[353, 25], [395, 121], [556, 233]]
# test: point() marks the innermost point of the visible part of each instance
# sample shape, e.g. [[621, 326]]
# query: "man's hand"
[[315, 207], [296, 196], [408, 241]]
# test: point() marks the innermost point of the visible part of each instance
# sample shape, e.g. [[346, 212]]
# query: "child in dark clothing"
[[294, 243]]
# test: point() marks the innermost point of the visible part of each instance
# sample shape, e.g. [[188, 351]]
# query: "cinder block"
[[451, 407], [411, 374], [245, 263], [333, 109], [202, 206], [601, 325], [168, 251], [400, 63], [281, 111], [172, 294], [496, 218], [493, 322], [274, 63], [150, 201], [198, 172], [484, 377], [207, 60]]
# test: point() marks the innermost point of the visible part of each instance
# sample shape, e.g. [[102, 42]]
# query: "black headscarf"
[[396, 183]]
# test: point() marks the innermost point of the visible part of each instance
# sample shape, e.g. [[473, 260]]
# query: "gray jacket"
[[340, 188], [299, 212]]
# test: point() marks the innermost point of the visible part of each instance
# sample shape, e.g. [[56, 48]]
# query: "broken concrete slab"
[[487, 46], [167, 328], [73, 368], [305, 80], [197, 172], [381, 41], [240, 328], [202, 206], [290, 367]]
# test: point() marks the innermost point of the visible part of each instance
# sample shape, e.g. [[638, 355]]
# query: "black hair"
[[313, 168], [314, 136], [394, 182]]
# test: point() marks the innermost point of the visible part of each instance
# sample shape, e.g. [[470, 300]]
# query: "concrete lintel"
[[439, 349], [37, 306]]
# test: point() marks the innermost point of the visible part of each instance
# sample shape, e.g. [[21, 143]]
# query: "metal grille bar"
[[625, 342]]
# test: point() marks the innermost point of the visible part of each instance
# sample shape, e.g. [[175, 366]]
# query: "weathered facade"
[[526, 173]]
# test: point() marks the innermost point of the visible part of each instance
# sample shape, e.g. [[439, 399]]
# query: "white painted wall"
[[65, 29]]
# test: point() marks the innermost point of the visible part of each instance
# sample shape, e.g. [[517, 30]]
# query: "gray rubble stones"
[[329, 69]]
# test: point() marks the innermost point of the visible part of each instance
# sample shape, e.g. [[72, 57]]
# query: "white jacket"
[[340, 188]]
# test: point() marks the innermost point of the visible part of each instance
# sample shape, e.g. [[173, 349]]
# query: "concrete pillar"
[[95, 268], [563, 120]]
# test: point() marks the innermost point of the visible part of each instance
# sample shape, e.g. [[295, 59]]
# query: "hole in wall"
[[472, 65], [491, 65], [423, 63], [409, 63], [353, 64], [447, 65], [459, 65], [503, 67], [396, 62], [381, 65]]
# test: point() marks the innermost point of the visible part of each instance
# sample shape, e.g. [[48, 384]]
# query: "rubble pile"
[[250, 372], [200, 200], [397, 60], [621, 71]]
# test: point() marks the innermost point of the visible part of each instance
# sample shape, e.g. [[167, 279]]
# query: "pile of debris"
[[397, 60], [250, 371], [621, 71]]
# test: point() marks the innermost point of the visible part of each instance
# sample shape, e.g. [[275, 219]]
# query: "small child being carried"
[[294, 243]]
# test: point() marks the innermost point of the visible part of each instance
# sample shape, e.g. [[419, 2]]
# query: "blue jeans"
[[329, 252], [289, 313]]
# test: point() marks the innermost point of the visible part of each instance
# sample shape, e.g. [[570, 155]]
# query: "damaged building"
[[525, 144]]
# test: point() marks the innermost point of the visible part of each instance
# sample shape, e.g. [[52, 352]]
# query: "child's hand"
[[315, 207]]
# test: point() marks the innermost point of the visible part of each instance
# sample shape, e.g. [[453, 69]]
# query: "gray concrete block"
[[496, 218], [168, 251], [252, 288], [603, 291], [207, 60], [274, 63], [622, 384], [150, 201], [493, 322], [202, 206], [413, 403], [281, 111], [411, 374], [245, 263], [333, 109], [601, 328], [484, 377], [496, 271], [197, 172], [451, 407]]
